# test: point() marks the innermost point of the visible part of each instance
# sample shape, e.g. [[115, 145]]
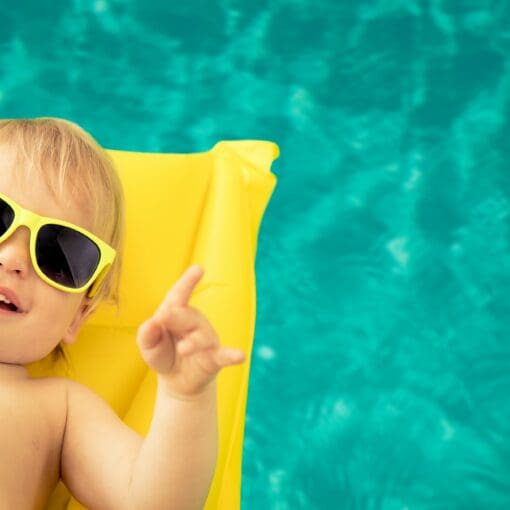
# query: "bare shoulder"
[[85, 405], [87, 411], [98, 450], [50, 393], [54, 385], [61, 398]]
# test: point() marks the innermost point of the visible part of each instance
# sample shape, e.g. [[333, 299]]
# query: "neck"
[[13, 370]]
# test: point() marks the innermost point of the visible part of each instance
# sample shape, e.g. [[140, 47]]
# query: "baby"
[[61, 230]]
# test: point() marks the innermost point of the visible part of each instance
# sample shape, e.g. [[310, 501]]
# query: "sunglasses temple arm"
[[97, 283]]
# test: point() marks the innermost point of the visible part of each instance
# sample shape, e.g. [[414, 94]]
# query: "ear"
[[81, 316]]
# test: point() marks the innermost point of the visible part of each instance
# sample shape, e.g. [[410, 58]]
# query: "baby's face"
[[48, 315]]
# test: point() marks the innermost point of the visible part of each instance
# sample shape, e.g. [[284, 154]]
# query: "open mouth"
[[10, 307]]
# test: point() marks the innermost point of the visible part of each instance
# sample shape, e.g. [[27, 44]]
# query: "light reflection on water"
[[380, 373]]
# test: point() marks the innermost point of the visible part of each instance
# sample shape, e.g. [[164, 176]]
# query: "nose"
[[15, 253]]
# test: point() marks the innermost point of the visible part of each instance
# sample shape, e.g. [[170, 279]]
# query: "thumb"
[[149, 334]]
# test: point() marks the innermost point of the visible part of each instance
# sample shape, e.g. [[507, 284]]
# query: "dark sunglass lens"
[[66, 256], [6, 216]]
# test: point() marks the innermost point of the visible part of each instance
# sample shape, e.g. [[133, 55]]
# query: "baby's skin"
[[52, 428], [32, 424]]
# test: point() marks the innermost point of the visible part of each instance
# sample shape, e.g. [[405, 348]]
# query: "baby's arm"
[[171, 469], [105, 464], [176, 462], [98, 451]]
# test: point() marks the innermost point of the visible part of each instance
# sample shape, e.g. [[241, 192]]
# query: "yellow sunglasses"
[[64, 255]]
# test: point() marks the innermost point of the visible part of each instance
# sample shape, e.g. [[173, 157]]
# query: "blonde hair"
[[79, 172]]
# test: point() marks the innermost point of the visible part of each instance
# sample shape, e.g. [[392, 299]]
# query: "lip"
[[13, 298]]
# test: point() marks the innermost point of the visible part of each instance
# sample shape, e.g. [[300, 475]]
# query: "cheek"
[[56, 314], [45, 327], [62, 307]]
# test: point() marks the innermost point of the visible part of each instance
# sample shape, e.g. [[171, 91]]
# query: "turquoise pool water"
[[381, 368]]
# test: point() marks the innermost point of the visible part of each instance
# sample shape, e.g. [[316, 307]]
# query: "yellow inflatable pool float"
[[213, 203]]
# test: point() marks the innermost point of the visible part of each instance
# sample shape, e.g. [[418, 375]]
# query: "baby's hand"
[[180, 344]]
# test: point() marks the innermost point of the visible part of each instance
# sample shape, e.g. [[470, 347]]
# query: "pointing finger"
[[180, 293]]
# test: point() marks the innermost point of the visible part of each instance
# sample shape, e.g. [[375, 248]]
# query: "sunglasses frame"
[[34, 222]]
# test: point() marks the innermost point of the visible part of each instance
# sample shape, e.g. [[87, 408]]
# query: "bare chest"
[[31, 431]]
